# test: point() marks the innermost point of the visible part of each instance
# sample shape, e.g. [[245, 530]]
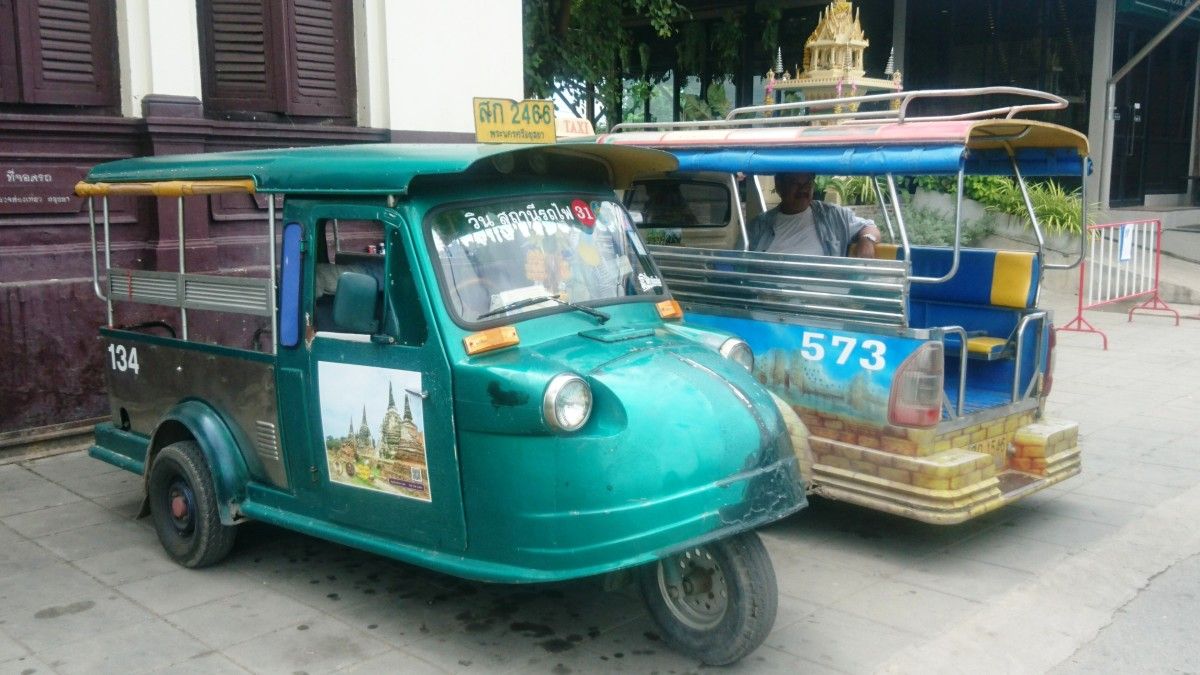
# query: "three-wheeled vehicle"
[[915, 382], [461, 338]]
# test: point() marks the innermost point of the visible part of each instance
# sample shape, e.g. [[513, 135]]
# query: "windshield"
[[497, 258]]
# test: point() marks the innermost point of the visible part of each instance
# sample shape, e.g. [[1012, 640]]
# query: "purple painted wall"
[[50, 363]]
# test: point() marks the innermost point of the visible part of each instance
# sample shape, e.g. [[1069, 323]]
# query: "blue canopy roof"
[[916, 160]]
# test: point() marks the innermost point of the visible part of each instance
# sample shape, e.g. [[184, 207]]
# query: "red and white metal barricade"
[[1122, 264]]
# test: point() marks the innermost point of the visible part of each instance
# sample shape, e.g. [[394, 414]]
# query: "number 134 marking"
[[812, 347], [122, 359]]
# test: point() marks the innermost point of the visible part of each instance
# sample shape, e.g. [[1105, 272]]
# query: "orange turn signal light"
[[669, 309], [491, 340]]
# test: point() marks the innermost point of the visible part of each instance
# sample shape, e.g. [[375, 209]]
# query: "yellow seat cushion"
[[986, 346]]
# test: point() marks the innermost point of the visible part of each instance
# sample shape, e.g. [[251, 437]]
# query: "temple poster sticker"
[[374, 427]]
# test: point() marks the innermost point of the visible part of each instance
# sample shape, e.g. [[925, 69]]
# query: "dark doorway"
[[1152, 134]]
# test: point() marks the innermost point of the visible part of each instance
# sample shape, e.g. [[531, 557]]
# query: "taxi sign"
[[503, 120], [573, 127]]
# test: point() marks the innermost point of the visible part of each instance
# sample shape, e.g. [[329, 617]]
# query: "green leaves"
[[570, 44], [1057, 208]]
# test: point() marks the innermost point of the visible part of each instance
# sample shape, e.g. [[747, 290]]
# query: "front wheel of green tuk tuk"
[[715, 602], [183, 504]]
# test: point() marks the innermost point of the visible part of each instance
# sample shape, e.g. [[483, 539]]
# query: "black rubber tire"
[[753, 601], [205, 541]]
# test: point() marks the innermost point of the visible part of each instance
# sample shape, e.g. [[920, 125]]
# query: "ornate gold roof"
[[833, 59]]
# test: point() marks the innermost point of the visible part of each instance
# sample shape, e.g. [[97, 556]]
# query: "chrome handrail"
[[735, 117], [1037, 364], [962, 364], [1083, 225]]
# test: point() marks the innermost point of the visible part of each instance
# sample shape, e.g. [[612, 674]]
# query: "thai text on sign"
[[502, 120]]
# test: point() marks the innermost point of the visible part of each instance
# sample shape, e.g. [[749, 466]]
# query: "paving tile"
[[25, 665], [59, 519], [635, 647], [69, 465], [15, 477], [314, 646], [129, 564], [908, 607], [1157, 474], [1184, 453], [21, 557], [1177, 425], [842, 641], [133, 649], [34, 497], [92, 540], [205, 663], [1007, 549], [1116, 487], [1101, 510], [171, 592], [521, 616], [393, 661], [817, 582], [964, 578], [1075, 534], [58, 605], [124, 504], [103, 484], [237, 618], [10, 649]]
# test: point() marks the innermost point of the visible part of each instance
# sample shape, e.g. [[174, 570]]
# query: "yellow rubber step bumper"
[[946, 487]]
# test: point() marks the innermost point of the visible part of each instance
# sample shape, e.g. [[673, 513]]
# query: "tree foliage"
[[570, 44]]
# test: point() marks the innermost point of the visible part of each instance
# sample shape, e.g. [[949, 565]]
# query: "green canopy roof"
[[381, 168]]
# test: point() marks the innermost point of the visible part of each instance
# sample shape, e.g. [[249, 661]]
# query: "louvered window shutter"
[[239, 55], [321, 58], [66, 51], [10, 86]]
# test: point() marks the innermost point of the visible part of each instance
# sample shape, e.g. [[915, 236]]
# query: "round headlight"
[[739, 352], [568, 402]]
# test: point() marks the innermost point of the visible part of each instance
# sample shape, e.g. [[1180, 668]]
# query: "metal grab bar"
[[741, 216], [95, 265], [1083, 226], [1037, 227], [962, 364], [1050, 102], [883, 208], [958, 205], [1037, 364], [736, 118]]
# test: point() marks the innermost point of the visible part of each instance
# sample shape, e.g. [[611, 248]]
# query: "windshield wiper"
[[526, 302]]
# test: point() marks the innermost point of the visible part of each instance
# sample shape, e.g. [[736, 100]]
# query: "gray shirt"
[[836, 226]]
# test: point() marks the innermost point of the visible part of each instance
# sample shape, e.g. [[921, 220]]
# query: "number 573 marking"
[[812, 347]]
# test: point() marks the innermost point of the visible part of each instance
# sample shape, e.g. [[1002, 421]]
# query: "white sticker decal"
[[374, 428], [648, 282]]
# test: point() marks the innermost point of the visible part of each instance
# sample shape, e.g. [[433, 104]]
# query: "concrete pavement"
[[1046, 583]]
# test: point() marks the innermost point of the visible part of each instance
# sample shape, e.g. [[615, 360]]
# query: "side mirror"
[[354, 303]]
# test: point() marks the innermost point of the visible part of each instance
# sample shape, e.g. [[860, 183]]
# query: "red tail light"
[[1048, 377], [916, 398]]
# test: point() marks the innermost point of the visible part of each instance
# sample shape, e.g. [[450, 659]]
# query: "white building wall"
[[159, 50], [427, 59], [418, 63]]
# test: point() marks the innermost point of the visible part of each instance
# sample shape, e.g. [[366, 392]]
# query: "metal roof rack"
[[739, 117]]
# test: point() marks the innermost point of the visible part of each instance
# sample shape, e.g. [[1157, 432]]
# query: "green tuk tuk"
[[461, 342]]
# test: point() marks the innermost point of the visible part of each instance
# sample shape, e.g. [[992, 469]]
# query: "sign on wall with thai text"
[[39, 188]]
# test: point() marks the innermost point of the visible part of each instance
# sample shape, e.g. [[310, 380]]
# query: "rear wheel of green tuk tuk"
[[716, 602], [183, 504]]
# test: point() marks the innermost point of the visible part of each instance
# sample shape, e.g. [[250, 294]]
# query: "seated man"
[[800, 225]]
